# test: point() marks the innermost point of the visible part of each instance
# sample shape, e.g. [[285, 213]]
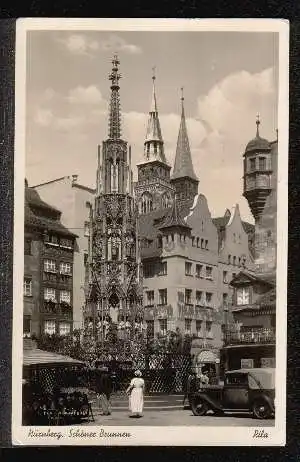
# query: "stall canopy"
[[206, 356], [36, 356]]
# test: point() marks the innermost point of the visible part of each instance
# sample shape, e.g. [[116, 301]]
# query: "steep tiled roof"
[[183, 166], [174, 218], [47, 221]]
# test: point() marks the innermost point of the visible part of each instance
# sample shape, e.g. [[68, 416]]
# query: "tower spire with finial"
[[183, 166], [257, 125], [114, 114], [154, 145]]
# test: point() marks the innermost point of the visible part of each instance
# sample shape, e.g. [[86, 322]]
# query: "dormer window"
[[243, 296]]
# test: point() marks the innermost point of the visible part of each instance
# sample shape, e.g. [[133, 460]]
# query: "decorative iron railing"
[[255, 335]]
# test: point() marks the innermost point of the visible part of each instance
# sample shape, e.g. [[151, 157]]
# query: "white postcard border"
[[144, 435]]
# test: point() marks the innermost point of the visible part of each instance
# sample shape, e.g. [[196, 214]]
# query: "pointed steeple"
[[114, 109], [183, 166], [154, 145], [173, 218]]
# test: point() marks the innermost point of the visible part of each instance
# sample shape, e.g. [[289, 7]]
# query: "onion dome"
[[258, 143]]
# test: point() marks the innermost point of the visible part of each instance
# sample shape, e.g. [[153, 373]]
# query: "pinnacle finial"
[[182, 101], [153, 73], [114, 116], [153, 104], [257, 125]]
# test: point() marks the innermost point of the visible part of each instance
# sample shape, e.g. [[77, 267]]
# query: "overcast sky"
[[227, 77]]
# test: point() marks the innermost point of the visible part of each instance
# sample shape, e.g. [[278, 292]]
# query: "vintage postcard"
[[150, 236]]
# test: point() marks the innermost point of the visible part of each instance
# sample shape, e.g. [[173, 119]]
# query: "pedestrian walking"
[[103, 387], [191, 386], [136, 397]]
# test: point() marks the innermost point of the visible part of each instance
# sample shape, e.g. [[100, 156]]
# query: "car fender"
[[214, 405], [266, 398]]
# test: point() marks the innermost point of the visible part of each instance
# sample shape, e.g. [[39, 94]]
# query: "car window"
[[253, 383], [236, 379]]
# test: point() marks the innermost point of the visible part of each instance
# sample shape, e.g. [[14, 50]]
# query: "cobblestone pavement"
[[176, 417]]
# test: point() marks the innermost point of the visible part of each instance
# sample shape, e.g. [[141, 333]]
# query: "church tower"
[[153, 190], [115, 285], [183, 178]]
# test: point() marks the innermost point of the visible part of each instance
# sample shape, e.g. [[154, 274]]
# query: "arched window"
[[165, 201], [113, 248], [146, 203]]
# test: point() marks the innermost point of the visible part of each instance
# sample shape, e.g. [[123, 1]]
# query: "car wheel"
[[262, 410], [200, 407]]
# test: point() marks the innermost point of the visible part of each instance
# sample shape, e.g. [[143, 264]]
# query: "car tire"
[[200, 407], [262, 410]]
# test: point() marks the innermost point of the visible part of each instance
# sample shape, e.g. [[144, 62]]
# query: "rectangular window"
[[162, 326], [206, 244], [27, 287], [188, 326], [66, 243], [65, 268], [150, 298], [188, 296], [225, 299], [51, 239], [49, 294], [163, 268], [199, 328], [199, 271], [159, 242], [208, 298], [49, 327], [225, 277], [208, 272], [64, 328], [162, 297], [252, 164], [149, 270], [209, 333], [86, 228], [233, 275], [65, 296], [85, 258], [198, 297], [262, 163], [26, 325], [27, 245], [188, 269], [243, 296], [50, 266], [150, 328]]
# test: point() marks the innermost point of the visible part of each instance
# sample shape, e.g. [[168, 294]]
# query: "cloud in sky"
[[223, 123], [81, 44], [85, 95]]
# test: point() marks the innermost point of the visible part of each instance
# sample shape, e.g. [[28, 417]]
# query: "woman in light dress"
[[136, 397]]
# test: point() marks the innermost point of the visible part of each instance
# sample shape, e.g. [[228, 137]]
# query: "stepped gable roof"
[[221, 222], [183, 166], [174, 218]]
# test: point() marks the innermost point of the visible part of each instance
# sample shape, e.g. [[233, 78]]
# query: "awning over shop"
[[36, 356], [206, 356]]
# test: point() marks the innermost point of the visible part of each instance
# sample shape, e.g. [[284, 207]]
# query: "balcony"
[[57, 309], [250, 336]]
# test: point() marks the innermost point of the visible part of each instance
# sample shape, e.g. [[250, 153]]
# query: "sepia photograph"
[[150, 216]]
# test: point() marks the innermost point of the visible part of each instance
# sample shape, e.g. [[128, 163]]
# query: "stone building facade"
[[189, 258], [48, 269], [73, 200]]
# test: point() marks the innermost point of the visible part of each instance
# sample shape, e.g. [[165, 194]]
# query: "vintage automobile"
[[55, 389], [244, 390]]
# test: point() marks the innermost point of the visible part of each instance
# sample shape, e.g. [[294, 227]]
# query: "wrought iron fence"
[[256, 335]]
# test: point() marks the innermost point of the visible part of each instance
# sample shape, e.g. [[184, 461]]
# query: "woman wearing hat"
[[136, 398]]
